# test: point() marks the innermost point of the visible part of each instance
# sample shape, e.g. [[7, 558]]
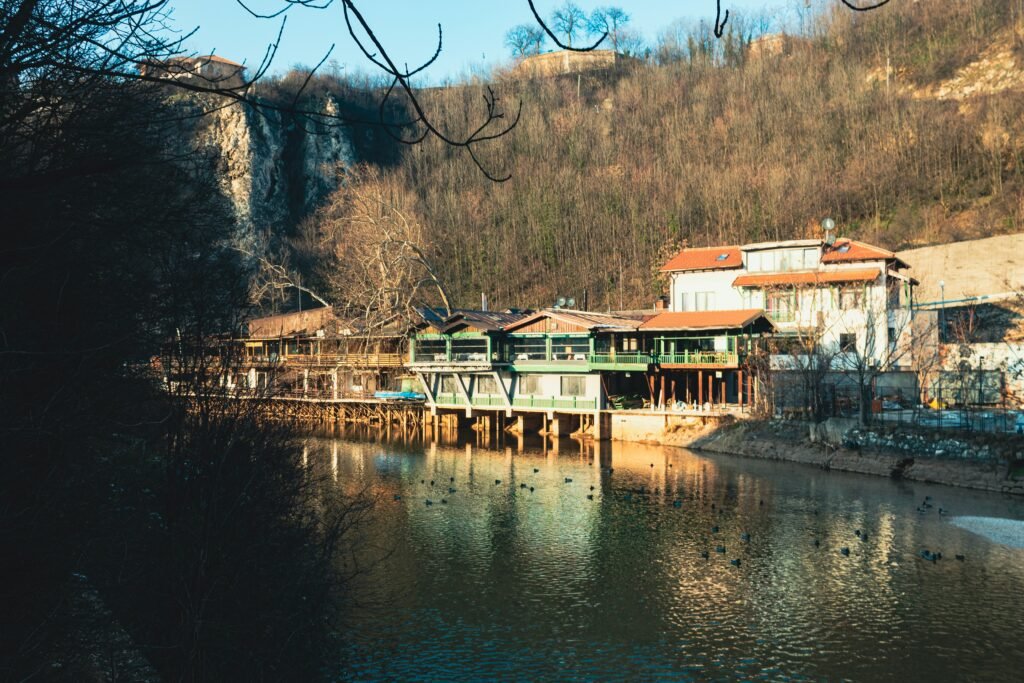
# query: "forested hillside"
[[705, 144]]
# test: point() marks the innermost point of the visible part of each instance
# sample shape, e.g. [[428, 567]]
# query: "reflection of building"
[[209, 71]]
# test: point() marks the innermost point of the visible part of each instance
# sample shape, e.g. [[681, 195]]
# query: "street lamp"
[[942, 308]]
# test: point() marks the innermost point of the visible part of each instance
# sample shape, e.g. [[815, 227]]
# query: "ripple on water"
[[502, 583]]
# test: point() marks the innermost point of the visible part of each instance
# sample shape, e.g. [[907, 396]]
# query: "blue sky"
[[473, 30]]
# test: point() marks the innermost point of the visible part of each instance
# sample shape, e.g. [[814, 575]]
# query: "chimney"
[[660, 303]]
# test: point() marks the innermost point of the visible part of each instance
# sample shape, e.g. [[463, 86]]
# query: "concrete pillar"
[[334, 385], [305, 382]]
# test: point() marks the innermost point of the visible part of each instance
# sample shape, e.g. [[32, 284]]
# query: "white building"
[[850, 295]]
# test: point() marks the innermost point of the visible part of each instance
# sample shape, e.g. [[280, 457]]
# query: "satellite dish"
[[571, 303], [560, 301], [828, 225]]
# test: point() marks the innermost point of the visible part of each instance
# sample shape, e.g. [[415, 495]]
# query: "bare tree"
[[377, 261], [569, 20], [524, 40], [610, 21]]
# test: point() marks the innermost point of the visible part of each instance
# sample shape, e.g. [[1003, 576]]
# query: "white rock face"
[[1008, 532], [273, 171]]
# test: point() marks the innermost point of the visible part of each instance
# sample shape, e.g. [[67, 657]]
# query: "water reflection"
[[495, 580]]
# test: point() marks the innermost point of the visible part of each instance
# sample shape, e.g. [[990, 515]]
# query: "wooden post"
[[739, 387], [711, 385], [662, 400], [722, 387], [700, 387]]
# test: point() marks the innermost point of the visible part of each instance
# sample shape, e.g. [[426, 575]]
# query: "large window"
[[486, 385], [469, 348], [529, 385], [782, 259], [448, 384], [529, 348], [570, 348], [430, 350], [574, 385], [848, 342]]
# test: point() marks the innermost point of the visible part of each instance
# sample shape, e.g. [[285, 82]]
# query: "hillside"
[[611, 170]]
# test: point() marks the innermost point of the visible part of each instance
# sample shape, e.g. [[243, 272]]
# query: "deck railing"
[[642, 360], [699, 358], [571, 403], [371, 360]]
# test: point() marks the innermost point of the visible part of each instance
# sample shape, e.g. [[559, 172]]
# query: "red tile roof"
[[846, 250], [704, 320], [705, 258], [807, 278]]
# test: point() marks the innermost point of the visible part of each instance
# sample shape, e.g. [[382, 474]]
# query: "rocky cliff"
[[273, 168]]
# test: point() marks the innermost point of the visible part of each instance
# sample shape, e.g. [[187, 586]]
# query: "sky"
[[473, 30]]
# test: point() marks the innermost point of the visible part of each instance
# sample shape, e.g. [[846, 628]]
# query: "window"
[[448, 384], [486, 385], [810, 258], [684, 301], [570, 348], [529, 384], [851, 297], [529, 348], [848, 342], [574, 385], [781, 306], [704, 301], [754, 261]]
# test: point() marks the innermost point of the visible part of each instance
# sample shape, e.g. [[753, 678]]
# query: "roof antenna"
[[829, 226]]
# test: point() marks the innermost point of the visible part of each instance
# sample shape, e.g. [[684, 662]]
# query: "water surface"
[[501, 582]]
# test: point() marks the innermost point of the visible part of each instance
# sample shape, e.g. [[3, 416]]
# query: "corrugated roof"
[[587, 319], [807, 278], [481, 320], [705, 258], [845, 250], [705, 320]]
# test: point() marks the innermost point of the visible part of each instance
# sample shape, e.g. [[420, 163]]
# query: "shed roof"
[[705, 258], [708, 320], [586, 319], [807, 277]]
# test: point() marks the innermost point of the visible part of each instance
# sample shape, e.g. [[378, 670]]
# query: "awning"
[[807, 278]]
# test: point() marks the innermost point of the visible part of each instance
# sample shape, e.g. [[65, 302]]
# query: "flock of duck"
[[924, 508]]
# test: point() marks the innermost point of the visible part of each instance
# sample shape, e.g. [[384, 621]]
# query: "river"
[[521, 574]]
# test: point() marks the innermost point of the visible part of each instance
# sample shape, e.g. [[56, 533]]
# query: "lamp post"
[[942, 309]]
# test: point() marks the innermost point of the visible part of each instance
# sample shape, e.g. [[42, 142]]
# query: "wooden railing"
[[363, 360], [699, 358]]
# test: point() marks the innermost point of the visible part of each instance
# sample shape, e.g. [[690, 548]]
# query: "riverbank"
[[983, 462]]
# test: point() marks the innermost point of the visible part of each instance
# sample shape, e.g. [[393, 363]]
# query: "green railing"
[[488, 401], [571, 403], [639, 360], [450, 400]]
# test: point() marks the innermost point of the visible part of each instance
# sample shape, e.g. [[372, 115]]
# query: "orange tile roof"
[[705, 258], [807, 278], [851, 250], [704, 320]]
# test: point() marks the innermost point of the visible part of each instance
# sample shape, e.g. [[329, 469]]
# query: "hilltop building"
[[208, 71]]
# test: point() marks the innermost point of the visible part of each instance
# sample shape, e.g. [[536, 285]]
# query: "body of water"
[[514, 572]]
